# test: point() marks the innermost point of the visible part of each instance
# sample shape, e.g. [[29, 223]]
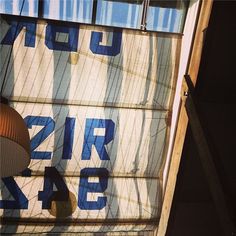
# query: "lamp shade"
[[14, 142]]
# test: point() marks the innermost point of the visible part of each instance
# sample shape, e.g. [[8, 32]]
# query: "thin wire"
[[9, 58]]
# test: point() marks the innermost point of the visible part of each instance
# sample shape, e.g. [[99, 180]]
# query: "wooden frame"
[[206, 159], [193, 67]]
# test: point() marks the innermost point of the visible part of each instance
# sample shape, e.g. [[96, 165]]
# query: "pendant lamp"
[[14, 141], [14, 135]]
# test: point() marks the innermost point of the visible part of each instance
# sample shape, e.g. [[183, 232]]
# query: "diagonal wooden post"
[[207, 162], [193, 66]]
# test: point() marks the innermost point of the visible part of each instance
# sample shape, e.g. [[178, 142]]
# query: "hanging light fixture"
[[14, 141], [14, 135]]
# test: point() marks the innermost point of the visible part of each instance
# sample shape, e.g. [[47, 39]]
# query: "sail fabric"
[[108, 66], [97, 104]]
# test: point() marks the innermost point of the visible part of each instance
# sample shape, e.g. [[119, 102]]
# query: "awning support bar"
[[207, 161]]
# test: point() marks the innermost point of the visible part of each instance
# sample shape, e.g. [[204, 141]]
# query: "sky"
[[111, 13]]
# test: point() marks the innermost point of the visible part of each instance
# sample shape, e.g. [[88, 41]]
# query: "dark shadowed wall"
[[193, 211]]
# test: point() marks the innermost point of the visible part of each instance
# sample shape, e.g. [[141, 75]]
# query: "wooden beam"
[[173, 170], [198, 42], [192, 70], [208, 164]]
